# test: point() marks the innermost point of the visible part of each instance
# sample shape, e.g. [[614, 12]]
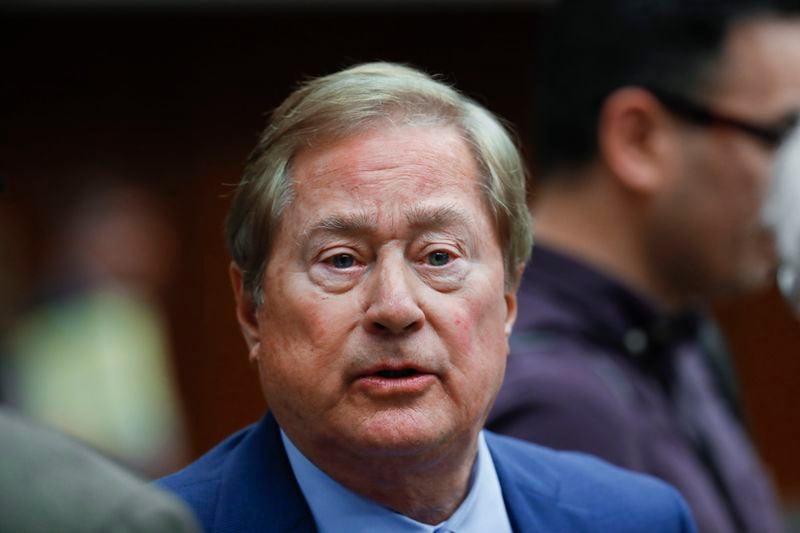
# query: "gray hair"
[[353, 100]]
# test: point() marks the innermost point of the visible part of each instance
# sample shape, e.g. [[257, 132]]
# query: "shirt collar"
[[336, 508]]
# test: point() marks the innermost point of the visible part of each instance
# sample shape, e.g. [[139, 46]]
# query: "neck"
[[427, 487], [597, 222]]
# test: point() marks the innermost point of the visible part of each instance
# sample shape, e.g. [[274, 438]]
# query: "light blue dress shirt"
[[336, 508]]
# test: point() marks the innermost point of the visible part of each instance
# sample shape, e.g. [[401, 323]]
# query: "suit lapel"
[[530, 487], [258, 491]]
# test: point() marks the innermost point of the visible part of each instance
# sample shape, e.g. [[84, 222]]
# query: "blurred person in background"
[[782, 212], [658, 123], [50, 482], [91, 356]]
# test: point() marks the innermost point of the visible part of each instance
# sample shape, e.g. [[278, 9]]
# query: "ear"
[[511, 300], [246, 311], [632, 138], [511, 311]]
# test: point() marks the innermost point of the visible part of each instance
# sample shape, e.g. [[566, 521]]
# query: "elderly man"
[[378, 235], [659, 123]]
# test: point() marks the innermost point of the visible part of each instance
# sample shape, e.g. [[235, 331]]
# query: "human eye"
[[342, 261], [439, 258], [338, 268], [438, 255], [443, 266]]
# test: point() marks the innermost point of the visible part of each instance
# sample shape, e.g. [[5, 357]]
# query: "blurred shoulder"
[[53, 483], [567, 369], [571, 397]]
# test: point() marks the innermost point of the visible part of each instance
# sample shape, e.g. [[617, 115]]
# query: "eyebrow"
[[422, 217], [359, 222], [352, 223]]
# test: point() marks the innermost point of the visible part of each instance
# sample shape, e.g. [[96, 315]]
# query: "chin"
[[400, 434]]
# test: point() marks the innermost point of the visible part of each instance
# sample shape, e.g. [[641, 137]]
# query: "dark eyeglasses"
[[771, 135]]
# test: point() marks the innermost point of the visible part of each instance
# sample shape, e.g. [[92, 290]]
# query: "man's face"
[[385, 317], [707, 233]]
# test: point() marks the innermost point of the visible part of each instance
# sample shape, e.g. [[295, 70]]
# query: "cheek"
[[302, 330], [725, 182], [478, 349], [300, 355], [478, 336], [295, 311], [745, 179]]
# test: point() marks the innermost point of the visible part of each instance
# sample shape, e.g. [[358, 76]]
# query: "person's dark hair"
[[590, 48]]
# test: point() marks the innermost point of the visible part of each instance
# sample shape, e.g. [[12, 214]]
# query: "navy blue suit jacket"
[[246, 484]]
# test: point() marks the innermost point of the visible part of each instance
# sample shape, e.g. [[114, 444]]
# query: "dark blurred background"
[[168, 98]]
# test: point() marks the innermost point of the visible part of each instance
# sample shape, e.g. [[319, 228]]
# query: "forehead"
[[759, 69], [388, 158], [388, 169]]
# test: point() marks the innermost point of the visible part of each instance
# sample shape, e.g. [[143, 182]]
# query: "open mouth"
[[380, 381], [397, 374]]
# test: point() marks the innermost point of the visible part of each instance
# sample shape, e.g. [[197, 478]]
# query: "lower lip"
[[377, 385]]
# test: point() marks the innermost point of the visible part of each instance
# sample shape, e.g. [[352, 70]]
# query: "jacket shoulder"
[[198, 484], [579, 492]]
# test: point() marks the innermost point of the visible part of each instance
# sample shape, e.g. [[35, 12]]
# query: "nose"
[[392, 306]]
